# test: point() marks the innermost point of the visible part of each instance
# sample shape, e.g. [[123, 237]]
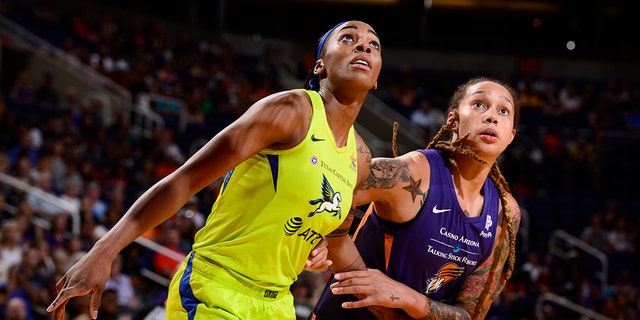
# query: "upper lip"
[[360, 59], [489, 131]]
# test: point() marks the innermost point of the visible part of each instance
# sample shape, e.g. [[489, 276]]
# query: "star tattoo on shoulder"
[[414, 188]]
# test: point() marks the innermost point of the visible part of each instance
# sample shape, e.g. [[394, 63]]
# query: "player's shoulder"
[[289, 97], [515, 207], [286, 105]]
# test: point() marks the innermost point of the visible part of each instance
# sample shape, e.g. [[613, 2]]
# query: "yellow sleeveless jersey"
[[276, 206]]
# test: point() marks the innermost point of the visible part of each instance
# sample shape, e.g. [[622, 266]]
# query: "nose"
[[364, 47], [490, 118]]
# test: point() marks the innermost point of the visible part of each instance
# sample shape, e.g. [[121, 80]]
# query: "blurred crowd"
[[569, 166]]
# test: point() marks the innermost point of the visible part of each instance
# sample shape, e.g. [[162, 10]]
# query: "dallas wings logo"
[[447, 272], [330, 201]]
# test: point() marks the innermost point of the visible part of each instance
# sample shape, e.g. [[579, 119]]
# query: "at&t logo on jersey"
[[293, 225]]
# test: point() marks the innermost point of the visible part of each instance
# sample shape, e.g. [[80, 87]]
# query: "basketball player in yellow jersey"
[[292, 163]]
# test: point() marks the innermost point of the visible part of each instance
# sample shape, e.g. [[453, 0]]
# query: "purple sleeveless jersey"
[[432, 255]]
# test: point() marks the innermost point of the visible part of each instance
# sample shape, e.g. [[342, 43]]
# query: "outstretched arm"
[[266, 124]]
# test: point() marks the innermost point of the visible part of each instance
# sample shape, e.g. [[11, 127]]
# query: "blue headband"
[[314, 82]]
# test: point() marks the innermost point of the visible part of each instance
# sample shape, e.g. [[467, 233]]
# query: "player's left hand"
[[317, 260], [371, 287]]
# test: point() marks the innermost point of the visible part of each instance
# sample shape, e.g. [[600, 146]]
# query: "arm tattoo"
[[414, 188], [366, 152], [516, 218], [386, 173], [439, 310], [357, 264]]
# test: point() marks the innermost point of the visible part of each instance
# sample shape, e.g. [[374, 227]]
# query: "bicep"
[[265, 124], [398, 186]]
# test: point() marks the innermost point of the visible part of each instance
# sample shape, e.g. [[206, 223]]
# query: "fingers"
[[319, 266], [317, 260], [320, 249], [59, 311], [94, 304], [61, 299], [341, 276], [357, 304]]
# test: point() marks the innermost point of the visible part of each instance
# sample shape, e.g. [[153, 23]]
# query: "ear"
[[450, 118], [375, 86], [318, 68], [513, 135]]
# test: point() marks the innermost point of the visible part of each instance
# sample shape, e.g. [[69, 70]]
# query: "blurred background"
[[101, 99]]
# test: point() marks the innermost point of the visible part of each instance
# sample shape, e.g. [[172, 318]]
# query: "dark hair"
[[312, 81]]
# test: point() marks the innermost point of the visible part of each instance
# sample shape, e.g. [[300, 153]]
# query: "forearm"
[[155, 206], [442, 311], [415, 305], [418, 306], [344, 254]]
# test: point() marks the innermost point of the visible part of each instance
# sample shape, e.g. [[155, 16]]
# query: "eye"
[[348, 38], [503, 111], [375, 45], [478, 104]]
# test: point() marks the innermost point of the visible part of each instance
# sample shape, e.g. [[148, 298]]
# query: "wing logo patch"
[[330, 201]]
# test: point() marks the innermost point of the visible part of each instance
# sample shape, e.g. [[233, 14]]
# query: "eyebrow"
[[482, 92], [355, 27]]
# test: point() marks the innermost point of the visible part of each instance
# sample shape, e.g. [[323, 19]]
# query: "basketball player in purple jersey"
[[442, 224]]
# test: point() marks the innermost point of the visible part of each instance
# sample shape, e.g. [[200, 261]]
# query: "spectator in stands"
[[21, 91], [93, 199], [42, 206], [571, 102], [121, 283], [11, 246], [5, 212], [594, 233], [621, 237], [71, 103], [61, 263], [428, 117], [45, 95], [533, 267], [24, 148], [323, 147], [59, 234], [109, 308], [26, 282], [28, 232], [71, 192], [17, 309], [169, 236], [188, 221]]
